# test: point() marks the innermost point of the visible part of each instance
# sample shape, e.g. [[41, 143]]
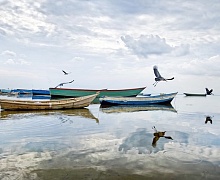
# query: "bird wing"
[[170, 78], [71, 81], [64, 72], [154, 142], [156, 72]]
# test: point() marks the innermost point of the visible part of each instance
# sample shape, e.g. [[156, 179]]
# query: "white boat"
[[158, 99]]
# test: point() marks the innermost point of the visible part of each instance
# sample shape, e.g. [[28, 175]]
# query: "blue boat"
[[158, 99], [21, 91], [5, 91], [40, 92]]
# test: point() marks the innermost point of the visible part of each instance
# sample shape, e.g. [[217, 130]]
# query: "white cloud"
[[8, 53], [147, 45]]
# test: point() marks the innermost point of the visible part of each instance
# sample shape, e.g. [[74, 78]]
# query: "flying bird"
[[158, 76], [65, 73], [61, 84]]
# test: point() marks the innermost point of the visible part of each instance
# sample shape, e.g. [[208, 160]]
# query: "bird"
[[158, 135], [61, 84], [66, 73], [208, 92], [158, 76], [208, 119]]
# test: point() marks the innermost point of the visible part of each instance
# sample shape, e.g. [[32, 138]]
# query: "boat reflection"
[[158, 135], [133, 108], [83, 112]]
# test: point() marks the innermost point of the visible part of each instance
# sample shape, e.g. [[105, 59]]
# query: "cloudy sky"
[[110, 44]]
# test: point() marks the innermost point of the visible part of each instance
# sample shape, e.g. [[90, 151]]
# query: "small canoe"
[[191, 94], [68, 103], [158, 99], [69, 92]]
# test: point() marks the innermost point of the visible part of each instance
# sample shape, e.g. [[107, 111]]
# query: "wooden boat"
[[67, 92], [40, 92], [68, 103], [158, 99], [136, 108], [191, 94]]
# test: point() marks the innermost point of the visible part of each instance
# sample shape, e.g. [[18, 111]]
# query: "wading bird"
[[61, 84], [65, 73], [157, 136], [158, 76]]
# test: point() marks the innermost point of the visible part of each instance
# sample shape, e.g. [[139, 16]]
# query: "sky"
[[110, 44]]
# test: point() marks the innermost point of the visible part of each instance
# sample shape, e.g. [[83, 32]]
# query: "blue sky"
[[110, 44]]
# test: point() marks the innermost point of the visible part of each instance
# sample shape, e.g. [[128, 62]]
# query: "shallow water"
[[113, 143]]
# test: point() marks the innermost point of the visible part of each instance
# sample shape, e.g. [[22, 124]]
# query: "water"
[[113, 143]]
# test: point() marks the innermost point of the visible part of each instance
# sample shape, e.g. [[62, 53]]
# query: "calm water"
[[113, 143]]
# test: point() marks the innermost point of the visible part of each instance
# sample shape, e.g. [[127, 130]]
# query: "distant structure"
[[158, 76], [66, 73], [61, 84], [208, 92]]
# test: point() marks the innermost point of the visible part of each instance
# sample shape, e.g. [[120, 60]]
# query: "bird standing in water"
[[159, 77], [208, 92]]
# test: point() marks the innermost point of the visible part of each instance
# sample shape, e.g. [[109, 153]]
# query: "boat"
[[136, 108], [69, 92], [41, 97], [156, 99], [40, 92], [192, 94], [21, 91], [143, 94], [5, 91], [67, 103]]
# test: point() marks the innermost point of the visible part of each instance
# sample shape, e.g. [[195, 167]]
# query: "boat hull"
[[68, 103], [191, 94], [65, 92], [159, 99], [40, 92]]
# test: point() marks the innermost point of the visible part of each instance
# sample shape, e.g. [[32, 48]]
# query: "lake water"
[[113, 143]]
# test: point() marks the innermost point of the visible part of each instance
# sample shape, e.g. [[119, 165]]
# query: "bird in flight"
[[159, 77], [61, 84], [65, 73]]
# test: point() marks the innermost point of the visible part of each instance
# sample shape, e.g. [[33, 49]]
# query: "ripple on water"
[[182, 157]]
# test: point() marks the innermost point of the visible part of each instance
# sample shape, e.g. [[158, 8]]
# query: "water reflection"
[[158, 135], [141, 141], [208, 119], [132, 108], [83, 112]]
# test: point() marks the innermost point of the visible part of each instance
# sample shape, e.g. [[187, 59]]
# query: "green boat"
[[69, 92], [191, 94]]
